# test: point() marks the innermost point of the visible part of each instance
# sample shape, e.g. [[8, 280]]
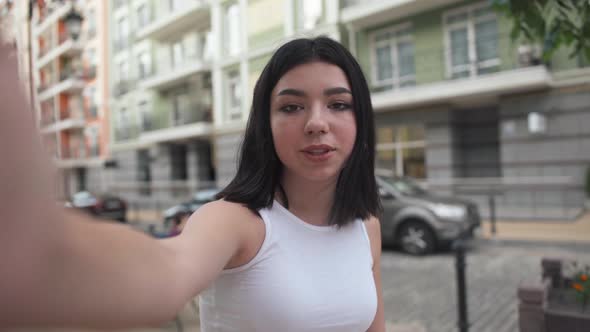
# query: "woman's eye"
[[290, 108], [340, 106]]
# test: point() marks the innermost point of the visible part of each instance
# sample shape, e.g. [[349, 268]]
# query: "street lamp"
[[74, 23]]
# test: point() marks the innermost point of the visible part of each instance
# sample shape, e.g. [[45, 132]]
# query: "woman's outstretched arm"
[[64, 268]]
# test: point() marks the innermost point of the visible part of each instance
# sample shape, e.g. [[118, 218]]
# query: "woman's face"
[[312, 121]]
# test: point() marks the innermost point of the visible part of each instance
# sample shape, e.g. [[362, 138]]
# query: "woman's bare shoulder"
[[225, 209]]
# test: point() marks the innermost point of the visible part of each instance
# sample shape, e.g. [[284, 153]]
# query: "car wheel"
[[416, 238]]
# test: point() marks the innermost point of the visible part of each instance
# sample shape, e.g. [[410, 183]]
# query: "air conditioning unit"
[[537, 123], [529, 55]]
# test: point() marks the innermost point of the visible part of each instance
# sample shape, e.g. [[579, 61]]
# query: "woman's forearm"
[[104, 276]]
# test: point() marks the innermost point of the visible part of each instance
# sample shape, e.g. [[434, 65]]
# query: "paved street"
[[420, 293]]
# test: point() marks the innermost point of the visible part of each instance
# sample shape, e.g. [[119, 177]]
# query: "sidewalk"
[[558, 231]]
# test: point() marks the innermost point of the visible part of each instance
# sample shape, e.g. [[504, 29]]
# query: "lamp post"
[[74, 23]]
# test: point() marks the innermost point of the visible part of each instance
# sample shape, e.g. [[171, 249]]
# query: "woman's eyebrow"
[[292, 92], [335, 91]]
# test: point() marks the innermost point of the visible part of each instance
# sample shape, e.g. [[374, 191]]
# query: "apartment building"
[[456, 101], [459, 104], [69, 70], [182, 79]]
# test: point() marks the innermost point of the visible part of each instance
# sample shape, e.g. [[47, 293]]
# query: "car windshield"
[[405, 186], [205, 196]]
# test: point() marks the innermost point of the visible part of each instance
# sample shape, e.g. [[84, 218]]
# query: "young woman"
[[292, 244]]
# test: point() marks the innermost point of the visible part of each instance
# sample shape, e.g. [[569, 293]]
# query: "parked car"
[[183, 210], [102, 206], [419, 221]]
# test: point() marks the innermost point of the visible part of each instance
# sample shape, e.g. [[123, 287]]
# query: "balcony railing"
[[122, 87], [350, 3], [68, 73], [493, 53], [121, 43], [124, 133], [72, 113]]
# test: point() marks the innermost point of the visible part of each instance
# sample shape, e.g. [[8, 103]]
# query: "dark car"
[[102, 206], [177, 212], [419, 221]]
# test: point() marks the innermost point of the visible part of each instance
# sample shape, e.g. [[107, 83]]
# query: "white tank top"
[[303, 278]]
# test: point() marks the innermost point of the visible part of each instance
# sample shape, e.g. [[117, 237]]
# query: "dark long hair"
[[259, 168]]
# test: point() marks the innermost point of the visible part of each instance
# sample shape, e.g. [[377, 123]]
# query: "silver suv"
[[419, 221]]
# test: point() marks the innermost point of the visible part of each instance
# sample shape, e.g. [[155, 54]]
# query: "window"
[[174, 5], [234, 91], [177, 53], [208, 46], [123, 128], [91, 19], [180, 108], [471, 41], [90, 94], [393, 59], [123, 71], [401, 151], [232, 30], [122, 33], [145, 64], [143, 16], [146, 118], [311, 13], [93, 141]]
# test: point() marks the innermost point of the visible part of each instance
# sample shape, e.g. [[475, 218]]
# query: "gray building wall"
[[226, 156], [563, 150]]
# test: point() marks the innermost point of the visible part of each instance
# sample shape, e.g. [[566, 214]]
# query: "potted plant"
[[559, 301]]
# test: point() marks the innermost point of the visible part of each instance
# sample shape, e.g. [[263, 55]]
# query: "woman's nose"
[[317, 123]]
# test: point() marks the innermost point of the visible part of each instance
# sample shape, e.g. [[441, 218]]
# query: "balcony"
[[70, 82], [50, 16], [191, 14], [437, 76], [193, 121], [72, 119], [67, 47], [121, 43], [125, 133], [167, 74], [77, 157], [365, 13], [122, 87]]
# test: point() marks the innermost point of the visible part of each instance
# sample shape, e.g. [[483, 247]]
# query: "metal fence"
[[514, 198]]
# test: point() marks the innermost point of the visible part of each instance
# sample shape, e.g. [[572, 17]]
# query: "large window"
[[177, 53], [145, 64], [234, 96], [232, 29], [180, 108], [144, 113], [143, 15], [311, 13], [401, 151], [122, 132], [393, 59], [471, 41], [122, 37], [92, 137], [123, 71]]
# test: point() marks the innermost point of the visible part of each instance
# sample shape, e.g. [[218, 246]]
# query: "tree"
[[550, 23]]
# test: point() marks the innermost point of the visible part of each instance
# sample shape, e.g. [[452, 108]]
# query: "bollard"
[[492, 203], [463, 323]]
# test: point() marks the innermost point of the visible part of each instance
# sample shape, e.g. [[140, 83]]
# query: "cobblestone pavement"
[[420, 292]]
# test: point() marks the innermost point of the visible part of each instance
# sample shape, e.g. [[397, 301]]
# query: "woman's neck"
[[311, 201]]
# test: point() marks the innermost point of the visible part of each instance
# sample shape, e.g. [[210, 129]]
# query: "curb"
[[582, 246]]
